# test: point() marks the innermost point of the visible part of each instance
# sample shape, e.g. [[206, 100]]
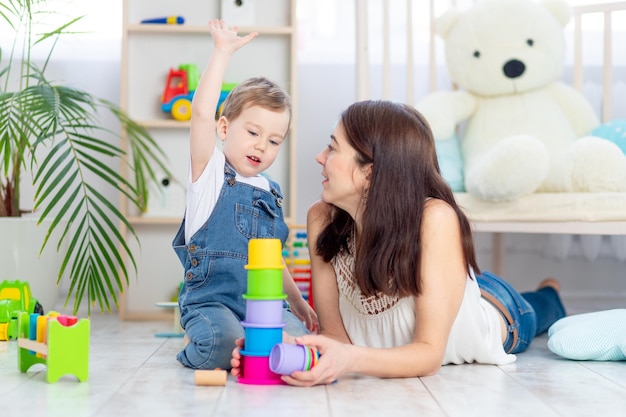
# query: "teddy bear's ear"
[[560, 9], [446, 21]]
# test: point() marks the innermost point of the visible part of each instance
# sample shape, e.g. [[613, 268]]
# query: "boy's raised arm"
[[203, 126]]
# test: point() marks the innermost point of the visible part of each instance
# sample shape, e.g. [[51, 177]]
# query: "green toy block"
[[66, 349]]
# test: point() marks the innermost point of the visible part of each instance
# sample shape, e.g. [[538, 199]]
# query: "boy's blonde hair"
[[258, 91]]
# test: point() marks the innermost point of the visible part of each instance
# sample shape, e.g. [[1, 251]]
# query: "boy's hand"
[[303, 310], [225, 38], [235, 360]]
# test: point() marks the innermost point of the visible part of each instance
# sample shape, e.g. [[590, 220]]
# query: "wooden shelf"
[[135, 220], [164, 124], [187, 29], [148, 51]]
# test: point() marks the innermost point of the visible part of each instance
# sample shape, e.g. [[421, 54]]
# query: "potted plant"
[[52, 131]]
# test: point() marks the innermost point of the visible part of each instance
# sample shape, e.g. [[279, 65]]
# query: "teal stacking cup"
[[260, 339]]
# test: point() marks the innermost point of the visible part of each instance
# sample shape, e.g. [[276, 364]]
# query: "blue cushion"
[[599, 336], [451, 162], [615, 131]]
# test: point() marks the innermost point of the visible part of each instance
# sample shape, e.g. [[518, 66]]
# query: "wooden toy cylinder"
[[214, 377]]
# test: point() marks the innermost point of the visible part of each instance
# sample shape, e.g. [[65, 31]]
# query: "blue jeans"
[[527, 314]]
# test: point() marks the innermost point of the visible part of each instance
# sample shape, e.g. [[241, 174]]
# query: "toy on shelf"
[[296, 253], [57, 341], [166, 197], [263, 325], [180, 88], [239, 12], [224, 92], [15, 297], [166, 20]]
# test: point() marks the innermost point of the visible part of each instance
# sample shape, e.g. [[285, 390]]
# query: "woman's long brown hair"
[[396, 139]]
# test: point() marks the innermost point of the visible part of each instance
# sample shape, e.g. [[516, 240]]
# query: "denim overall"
[[210, 300]]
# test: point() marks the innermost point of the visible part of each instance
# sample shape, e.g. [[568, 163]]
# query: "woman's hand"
[[336, 359]]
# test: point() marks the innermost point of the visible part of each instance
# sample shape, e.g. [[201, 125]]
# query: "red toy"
[[180, 88]]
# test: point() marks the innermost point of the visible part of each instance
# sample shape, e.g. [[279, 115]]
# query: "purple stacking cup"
[[286, 358], [264, 312]]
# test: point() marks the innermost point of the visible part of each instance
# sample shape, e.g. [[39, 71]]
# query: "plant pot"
[[20, 243]]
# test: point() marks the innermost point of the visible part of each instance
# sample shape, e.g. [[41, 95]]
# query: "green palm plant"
[[61, 125]]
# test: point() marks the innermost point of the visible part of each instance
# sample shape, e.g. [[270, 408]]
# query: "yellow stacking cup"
[[265, 254]]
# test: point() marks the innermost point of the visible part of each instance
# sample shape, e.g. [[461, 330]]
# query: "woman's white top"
[[384, 322], [203, 194]]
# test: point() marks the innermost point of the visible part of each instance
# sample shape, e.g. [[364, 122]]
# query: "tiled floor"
[[134, 373]]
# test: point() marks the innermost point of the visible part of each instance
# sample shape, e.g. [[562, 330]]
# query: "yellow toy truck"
[[15, 297]]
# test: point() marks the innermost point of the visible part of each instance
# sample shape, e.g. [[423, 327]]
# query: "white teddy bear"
[[525, 129]]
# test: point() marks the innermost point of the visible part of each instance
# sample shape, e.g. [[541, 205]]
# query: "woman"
[[393, 261]]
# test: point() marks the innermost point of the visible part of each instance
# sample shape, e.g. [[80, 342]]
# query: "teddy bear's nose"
[[514, 68]]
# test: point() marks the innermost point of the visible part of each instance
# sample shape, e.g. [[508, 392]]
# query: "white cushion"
[[599, 336]]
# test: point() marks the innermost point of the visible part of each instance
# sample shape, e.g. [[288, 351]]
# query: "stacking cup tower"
[[263, 325]]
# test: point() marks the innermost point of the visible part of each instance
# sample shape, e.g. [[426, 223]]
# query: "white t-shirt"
[[203, 194]]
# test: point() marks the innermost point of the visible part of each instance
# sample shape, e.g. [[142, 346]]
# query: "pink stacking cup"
[[255, 370], [286, 358]]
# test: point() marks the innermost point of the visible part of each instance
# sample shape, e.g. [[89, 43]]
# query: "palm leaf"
[[61, 184]]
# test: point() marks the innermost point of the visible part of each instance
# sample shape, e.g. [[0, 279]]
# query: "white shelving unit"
[[148, 52]]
